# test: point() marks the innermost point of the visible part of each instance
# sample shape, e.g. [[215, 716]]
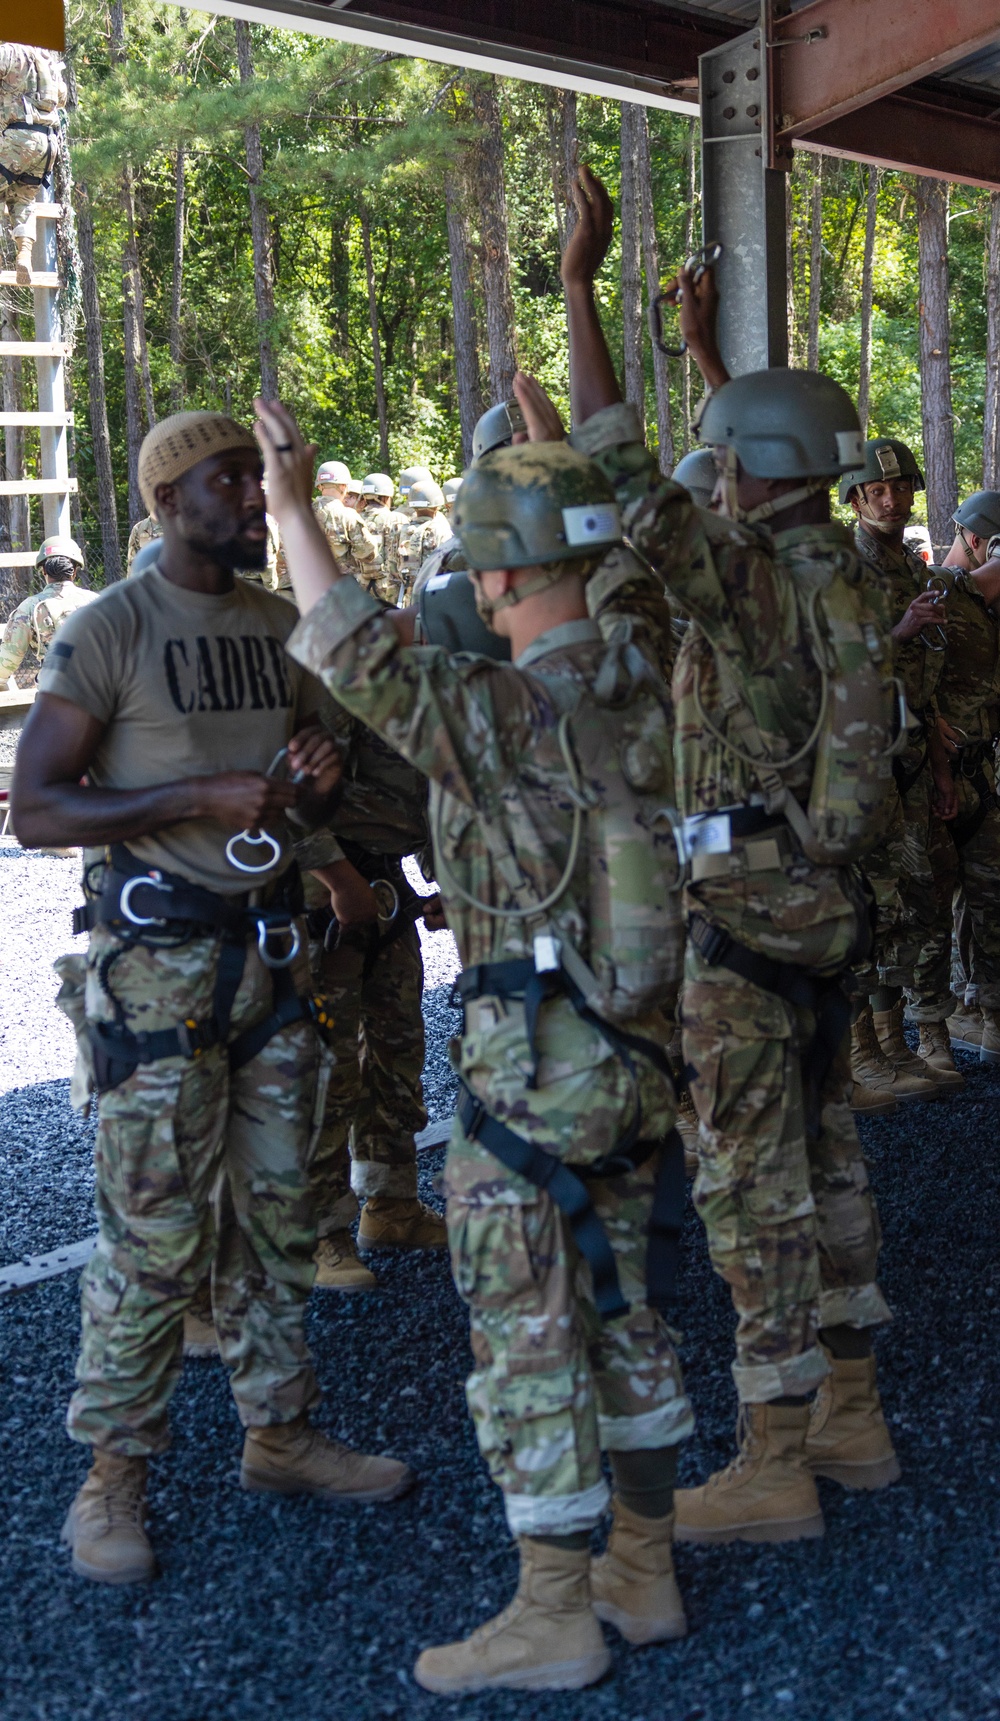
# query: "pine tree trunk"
[[467, 378], [815, 262], [692, 190], [867, 302], [991, 416], [133, 318], [177, 284], [340, 280], [563, 160], [651, 265], [492, 200], [631, 267], [380, 401], [106, 507], [260, 232], [935, 370]]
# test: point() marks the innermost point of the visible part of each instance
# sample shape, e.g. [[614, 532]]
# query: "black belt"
[[180, 909], [802, 987], [567, 1187]]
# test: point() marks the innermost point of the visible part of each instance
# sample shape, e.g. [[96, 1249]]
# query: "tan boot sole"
[[767, 1530], [637, 1630], [136, 1574], [367, 1244], [268, 1482], [873, 1473], [874, 1106], [346, 1290], [988, 1056], [965, 1045], [553, 1676]]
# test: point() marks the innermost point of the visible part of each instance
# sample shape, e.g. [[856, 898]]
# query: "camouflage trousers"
[[374, 1101], [791, 1221], [901, 873], [196, 1169], [552, 1385], [20, 203], [967, 874]]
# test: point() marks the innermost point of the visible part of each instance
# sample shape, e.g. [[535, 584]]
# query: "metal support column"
[[51, 386], [743, 205]]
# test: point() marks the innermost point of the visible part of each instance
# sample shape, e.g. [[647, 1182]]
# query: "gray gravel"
[[301, 1612]]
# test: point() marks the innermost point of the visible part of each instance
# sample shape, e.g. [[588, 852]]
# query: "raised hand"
[[540, 415], [587, 247]]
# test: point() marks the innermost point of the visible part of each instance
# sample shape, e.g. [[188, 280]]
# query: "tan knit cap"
[[177, 443]]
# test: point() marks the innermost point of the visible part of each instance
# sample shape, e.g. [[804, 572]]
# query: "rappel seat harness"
[[566, 1184], [44, 178], [971, 766], [144, 905]]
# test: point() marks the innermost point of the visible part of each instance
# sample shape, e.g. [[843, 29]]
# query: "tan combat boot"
[[889, 1029], [989, 1045], [295, 1458], [200, 1338], [965, 1026], [106, 1524], [388, 1222], [22, 263], [848, 1440], [547, 1639], [338, 1267], [766, 1494], [872, 1076], [632, 1584], [935, 1050]]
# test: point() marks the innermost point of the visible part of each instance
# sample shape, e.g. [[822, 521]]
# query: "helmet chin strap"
[[884, 528], [730, 502], [487, 608]]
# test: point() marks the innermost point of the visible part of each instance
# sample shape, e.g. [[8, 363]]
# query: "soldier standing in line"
[[37, 616], [386, 522], [353, 543], [967, 853], [901, 868], [427, 531], [764, 784], [145, 531], [32, 90], [554, 1091], [154, 738], [449, 491]]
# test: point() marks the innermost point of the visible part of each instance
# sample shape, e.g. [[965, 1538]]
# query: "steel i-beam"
[[743, 206]]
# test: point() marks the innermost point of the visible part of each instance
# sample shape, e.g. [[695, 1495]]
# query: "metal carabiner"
[[937, 585], [701, 260], [380, 886], [264, 932], [154, 878], [262, 837]]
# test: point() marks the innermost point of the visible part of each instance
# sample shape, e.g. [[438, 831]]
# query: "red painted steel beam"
[[640, 37], [835, 56], [932, 130]]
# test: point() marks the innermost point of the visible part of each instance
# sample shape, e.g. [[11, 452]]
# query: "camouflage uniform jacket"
[[350, 538], [143, 532], [417, 541], [968, 691], [34, 622], [738, 585], [32, 86], [901, 576]]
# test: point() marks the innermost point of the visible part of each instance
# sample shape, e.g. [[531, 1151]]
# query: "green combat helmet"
[[60, 546], [782, 424], [450, 489], [698, 473], [379, 484], [497, 428], [539, 504], [411, 475], [425, 496], [884, 457], [980, 513]]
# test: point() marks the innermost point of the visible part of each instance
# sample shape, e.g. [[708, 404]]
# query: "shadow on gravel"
[[291, 1610]]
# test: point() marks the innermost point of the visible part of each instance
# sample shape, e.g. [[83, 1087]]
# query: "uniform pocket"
[[71, 1000], [492, 1258]]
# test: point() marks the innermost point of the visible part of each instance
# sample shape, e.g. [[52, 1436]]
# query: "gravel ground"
[[301, 1612]]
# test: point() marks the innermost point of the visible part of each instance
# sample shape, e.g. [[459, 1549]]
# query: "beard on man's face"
[[237, 551]]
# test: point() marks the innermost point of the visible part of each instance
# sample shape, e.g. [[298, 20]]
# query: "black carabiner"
[[697, 263]]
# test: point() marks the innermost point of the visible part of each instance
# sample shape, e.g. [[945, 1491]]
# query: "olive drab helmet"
[[537, 505], [699, 474], [782, 424], [425, 494], [980, 513], [884, 457], [334, 472], [379, 484], [60, 546], [497, 428], [449, 490], [411, 475]]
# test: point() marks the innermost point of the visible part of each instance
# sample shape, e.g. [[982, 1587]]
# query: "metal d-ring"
[[253, 842], [264, 932], [383, 885], [125, 899]]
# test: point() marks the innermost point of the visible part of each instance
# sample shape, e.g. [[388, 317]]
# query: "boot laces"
[[121, 1503], [747, 1449]]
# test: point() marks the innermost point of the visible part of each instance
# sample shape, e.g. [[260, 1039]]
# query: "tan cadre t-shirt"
[[188, 685]]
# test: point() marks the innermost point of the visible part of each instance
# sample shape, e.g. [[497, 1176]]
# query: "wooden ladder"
[[54, 484]]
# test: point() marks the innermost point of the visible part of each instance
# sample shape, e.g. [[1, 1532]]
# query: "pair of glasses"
[[673, 297]]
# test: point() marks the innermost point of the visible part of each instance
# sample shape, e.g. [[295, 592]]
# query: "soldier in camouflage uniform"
[[36, 618], [371, 974], [781, 1185], [901, 870], [386, 522], [349, 536], [552, 1382], [192, 1008], [427, 531], [146, 531], [449, 491], [32, 90], [967, 853]]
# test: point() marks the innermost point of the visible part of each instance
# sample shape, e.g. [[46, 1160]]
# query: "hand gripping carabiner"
[[262, 837], [704, 259]]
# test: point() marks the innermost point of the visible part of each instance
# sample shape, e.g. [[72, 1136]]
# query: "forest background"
[[378, 239]]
